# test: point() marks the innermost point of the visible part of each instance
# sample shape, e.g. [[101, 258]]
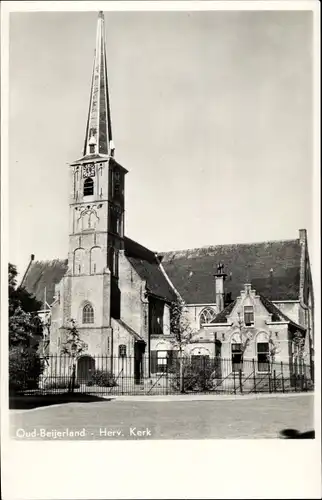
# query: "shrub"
[[25, 368], [196, 376], [102, 379]]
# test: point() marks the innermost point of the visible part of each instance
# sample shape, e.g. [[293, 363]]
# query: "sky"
[[211, 115]]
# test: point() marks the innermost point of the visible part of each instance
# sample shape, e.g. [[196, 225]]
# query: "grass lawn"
[[217, 419]]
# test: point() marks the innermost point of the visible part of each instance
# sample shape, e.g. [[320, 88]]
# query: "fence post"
[[240, 381], [302, 374], [72, 384], [305, 378], [167, 379], [269, 378], [234, 377], [274, 380], [122, 379], [283, 388], [254, 375]]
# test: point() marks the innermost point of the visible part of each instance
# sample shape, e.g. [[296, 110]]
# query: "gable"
[[192, 271], [271, 309]]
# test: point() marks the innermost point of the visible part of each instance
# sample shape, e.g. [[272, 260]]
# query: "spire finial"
[[99, 129]]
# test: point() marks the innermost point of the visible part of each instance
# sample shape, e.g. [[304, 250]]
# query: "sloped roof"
[[277, 315], [129, 329], [46, 274], [192, 271], [148, 268], [222, 316], [43, 275]]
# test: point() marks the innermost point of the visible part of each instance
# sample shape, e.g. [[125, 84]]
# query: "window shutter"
[[153, 360], [173, 356], [170, 359]]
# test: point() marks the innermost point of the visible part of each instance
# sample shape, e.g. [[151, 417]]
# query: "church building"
[[121, 294]]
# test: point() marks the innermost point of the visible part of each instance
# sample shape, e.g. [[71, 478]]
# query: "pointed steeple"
[[98, 139]]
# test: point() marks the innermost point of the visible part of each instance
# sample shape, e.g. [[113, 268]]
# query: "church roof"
[[272, 268], [147, 265], [42, 276]]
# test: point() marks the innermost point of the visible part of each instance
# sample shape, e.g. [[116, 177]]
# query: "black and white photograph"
[[162, 245]]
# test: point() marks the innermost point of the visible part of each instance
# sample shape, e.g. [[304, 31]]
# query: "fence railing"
[[104, 375]]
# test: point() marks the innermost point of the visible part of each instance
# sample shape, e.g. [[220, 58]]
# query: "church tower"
[[96, 209]]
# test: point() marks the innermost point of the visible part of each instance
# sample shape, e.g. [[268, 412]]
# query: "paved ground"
[[187, 419]]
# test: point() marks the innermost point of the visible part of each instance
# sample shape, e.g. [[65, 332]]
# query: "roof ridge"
[[227, 245], [49, 261]]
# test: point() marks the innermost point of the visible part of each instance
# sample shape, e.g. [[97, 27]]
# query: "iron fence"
[[106, 375]]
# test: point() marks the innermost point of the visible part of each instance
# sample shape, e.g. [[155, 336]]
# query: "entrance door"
[[85, 369], [139, 349]]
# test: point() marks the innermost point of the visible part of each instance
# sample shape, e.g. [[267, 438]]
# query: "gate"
[[85, 369]]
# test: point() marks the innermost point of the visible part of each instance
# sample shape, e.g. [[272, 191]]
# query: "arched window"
[[207, 315], [79, 261], [88, 186], [122, 351], [88, 314], [96, 260]]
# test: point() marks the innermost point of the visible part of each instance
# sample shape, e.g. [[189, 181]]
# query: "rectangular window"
[[162, 361], [236, 357], [263, 356], [249, 315]]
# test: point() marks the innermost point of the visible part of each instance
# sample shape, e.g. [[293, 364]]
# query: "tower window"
[[92, 148], [88, 187], [88, 314]]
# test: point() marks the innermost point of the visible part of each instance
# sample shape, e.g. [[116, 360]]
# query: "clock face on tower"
[[88, 170]]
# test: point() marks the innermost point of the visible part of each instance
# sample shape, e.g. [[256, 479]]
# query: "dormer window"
[[249, 315]]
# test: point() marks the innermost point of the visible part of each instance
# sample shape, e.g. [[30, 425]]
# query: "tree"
[[18, 295], [25, 332], [25, 328], [181, 335], [73, 347], [273, 348], [299, 344], [244, 335]]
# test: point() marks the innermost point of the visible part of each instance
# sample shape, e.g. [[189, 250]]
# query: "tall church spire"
[[98, 137]]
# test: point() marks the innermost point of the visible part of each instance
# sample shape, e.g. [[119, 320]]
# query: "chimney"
[[220, 277]]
